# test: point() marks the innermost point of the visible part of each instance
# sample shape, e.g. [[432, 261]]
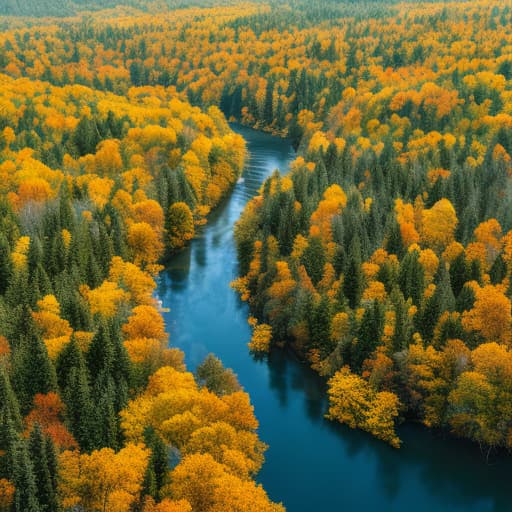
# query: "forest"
[[383, 258]]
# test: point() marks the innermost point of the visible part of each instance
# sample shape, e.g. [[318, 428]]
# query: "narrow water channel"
[[312, 464]]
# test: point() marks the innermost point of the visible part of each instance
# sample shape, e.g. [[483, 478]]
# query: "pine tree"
[[411, 277], [8, 401], [498, 270], [23, 478], [9, 439], [100, 356], [76, 393], [393, 240], [33, 372], [313, 259], [268, 107], [53, 466], [6, 270], [353, 282], [319, 325], [105, 431], [403, 328], [37, 447], [459, 273], [122, 367], [157, 474], [368, 335]]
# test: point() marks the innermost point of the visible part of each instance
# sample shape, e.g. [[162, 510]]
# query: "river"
[[312, 464]]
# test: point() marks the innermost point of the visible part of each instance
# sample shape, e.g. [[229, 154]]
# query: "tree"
[[44, 479], [26, 491], [76, 394], [145, 244], [438, 224], [33, 371], [212, 374], [9, 403], [313, 259], [6, 267], [208, 485], [145, 322], [353, 402], [103, 480], [48, 415], [368, 335], [157, 472], [181, 225], [411, 277], [353, 281], [491, 315]]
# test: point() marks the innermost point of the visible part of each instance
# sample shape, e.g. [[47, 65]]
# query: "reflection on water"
[[312, 464]]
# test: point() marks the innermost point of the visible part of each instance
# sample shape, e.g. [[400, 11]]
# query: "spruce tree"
[[319, 325], [353, 282], [403, 329], [53, 466], [157, 473], [23, 478], [79, 408], [313, 258], [9, 438], [105, 431], [8, 401], [76, 393], [33, 372], [46, 492], [6, 270], [369, 334], [411, 277], [100, 356]]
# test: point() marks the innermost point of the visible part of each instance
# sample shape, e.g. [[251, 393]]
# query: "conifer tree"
[[44, 480], [33, 372], [353, 282], [24, 480], [6, 270]]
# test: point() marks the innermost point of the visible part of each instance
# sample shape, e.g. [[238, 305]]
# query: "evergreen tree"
[[9, 439], [86, 136], [23, 478], [6, 270], [353, 282], [411, 277], [33, 372], [459, 273], [105, 431], [53, 466], [313, 258], [100, 356], [268, 107], [46, 492], [403, 328], [157, 473], [319, 325], [8, 401], [369, 334], [498, 270], [76, 393]]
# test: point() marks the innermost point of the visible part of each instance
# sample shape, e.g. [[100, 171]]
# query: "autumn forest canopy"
[[383, 258]]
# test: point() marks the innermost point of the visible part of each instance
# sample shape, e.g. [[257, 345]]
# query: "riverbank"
[[312, 463]]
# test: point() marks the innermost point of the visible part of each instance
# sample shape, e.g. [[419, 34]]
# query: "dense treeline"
[[66, 8], [384, 257], [92, 401], [415, 134]]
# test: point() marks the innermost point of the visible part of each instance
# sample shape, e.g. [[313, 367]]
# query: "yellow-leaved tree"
[[354, 402]]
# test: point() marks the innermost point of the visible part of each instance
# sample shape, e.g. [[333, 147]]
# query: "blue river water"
[[312, 464]]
